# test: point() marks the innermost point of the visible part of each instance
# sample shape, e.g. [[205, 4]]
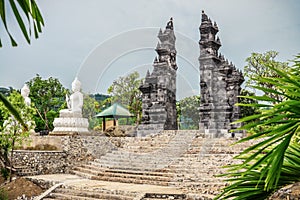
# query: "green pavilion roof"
[[115, 111]]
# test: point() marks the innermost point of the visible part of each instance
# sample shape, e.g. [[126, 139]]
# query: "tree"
[[257, 66], [90, 109], [125, 90], [49, 97], [27, 15], [274, 160], [247, 109], [189, 112], [13, 132]]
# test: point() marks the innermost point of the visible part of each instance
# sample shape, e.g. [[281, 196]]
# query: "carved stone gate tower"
[[159, 87], [220, 83]]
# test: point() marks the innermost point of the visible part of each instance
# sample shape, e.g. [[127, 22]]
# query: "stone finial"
[[148, 74], [218, 40], [170, 24], [221, 57], [209, 21], [160, 32], [215, 25], [204, 16]]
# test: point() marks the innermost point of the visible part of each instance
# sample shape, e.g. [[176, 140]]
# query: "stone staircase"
[[187, 161], [140, 168]]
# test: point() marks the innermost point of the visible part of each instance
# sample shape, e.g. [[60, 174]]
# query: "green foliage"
[[4, 173], [51, 115], [188, 112], [49, 97], [274, 160], [14, 105], [257, 67], [247, 110], [90, 109], [7, 106], [27, 15], [3, 194], [125, 90], [13, 132]]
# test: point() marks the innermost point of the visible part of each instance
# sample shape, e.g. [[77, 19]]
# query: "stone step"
[[197, 175], [164, 172], [149, 158], [122, 159], [208, 153], [195, 166], [85, 194], [134, 165], [157, 196], [125, 167], [137, 168], [164, 151], [122, 174], [82, 174], [70, 197], [131, 180], [135, 160], [134, 180], [205, 159], [199, 180]]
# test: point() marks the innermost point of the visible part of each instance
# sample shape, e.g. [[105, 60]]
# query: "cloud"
[[74, 28]]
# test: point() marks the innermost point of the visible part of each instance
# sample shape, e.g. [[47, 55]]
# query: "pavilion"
[[115, 111]]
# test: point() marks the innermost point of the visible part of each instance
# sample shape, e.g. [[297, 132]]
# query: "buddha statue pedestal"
[[69, 124]]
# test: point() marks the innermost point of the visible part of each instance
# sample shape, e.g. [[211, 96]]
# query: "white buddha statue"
[[70, 120], [25, 94], [74, 102]]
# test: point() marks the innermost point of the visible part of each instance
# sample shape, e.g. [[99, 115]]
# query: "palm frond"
[[274, 160], [13, 111], [27, 14]]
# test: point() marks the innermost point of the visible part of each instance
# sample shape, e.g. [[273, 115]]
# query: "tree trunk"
[[12, 156], [46, 121]]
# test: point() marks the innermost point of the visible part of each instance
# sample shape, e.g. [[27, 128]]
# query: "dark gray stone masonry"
[[159, 88], [220, 83]]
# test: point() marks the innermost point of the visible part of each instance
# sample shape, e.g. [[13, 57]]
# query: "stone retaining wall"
[[39, 162], [75, 149], [81, 148]]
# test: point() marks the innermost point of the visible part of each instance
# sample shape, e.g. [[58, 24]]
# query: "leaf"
[[19, 20], [32, 14], [274, 161], [3, 17], [13, 111]]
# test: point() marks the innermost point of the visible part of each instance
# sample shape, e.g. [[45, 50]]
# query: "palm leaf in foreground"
[[274, 160], [13, 111], [27, 15]]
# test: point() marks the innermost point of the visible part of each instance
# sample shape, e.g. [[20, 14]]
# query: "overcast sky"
[[98, 40]]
